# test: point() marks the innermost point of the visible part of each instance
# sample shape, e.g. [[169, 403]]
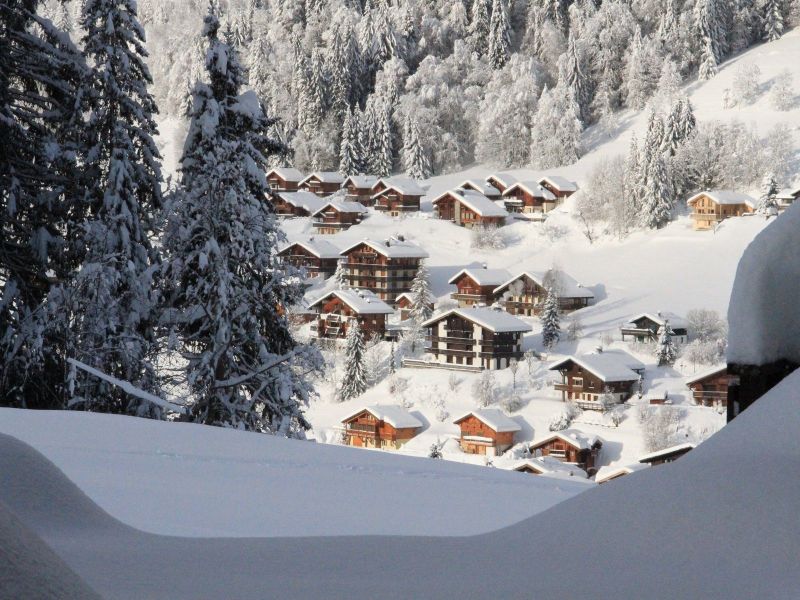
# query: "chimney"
[[388, 242]]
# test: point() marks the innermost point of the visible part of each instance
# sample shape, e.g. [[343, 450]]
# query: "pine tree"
[[415, 160], [772, 19], [551, 327], [634, 179], [435, 451], [575, 75], [349, 158], [339, 275], [710, 30], [666, 353], [354, 382], [656, 199], [767, 203], [225, 291], [499, 35], [479, 27], [380, 159], [422, 297]]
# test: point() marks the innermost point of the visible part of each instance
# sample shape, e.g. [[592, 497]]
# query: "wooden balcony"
[[709, 217]]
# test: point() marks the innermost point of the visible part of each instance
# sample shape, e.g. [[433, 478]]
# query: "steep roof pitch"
[[675, 321], [712, 372], [325, 177], [495, 320], [403, 185], [573, 437], [608, 366], [724, 197], [318, 247], [481, 276], [475, 201], [392, 248], [506, 179], [559, 183], [286, 173], [302, 199], [342, 206], [396, 416], [567, 286], [492, 417], [363, 302], [484, 187], [361, 181], [533, 188]]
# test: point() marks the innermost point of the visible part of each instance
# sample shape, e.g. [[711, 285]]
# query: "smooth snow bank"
[[191, 480], [763, 315]]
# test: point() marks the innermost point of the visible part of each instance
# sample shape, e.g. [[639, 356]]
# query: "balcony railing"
[[709, 216]]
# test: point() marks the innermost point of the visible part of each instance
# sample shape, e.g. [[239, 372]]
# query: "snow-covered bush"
[[781, 94], [488, 237], [660, 426], [702, 352], [397, 385], [435, 451], [705, 324], [746, 83], [484, 389], [574, 328], [513, 403], [453, 381], [564, 419]]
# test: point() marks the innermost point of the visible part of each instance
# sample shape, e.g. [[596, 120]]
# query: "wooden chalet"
[[284, 179], [482, 187], [549, 466], [337, 309], [528, 197], [606, 474], [526, 292], [585, 378], [480, 337], [322, 183], [786, 198], [397, 196], [380, 426], [711, 207], [560, 187], [359, 188], [296, 204], [486, 431], [338, 215], [476, 286], [501, 181], [646, 327], [667, 455], [387, 268], [469, 209], [316, 256], [403, 304], [571, 446], [710, 388]]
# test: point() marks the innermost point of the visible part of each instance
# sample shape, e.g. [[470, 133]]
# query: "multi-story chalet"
[[397, 196], [296, 204], [646, 327], [380, 426], [606, 474], [386, 268], [525, 293], [486, 431], [558, 186], [480, 337], [667, 455], [284, 179], [475, 286], [585, 378], [316, 256], [359, 188], [338, 215], [711, 207], [322, 183], [786, 198], [469, 208], [550, 466], [403, 304], [501, 181], [571, 446], [528, 197], [479, 185], [710, 388], [336, 309]]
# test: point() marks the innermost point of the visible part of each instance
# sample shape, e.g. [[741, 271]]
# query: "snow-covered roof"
[[707, 373], [484, 187], [286, 173], [396, 416], [476, 202], [493, 319], [317, 246], [548, 465], [506, 179], [342, 206], [405, 295], [725, 197], [492, 417], [325, 177], [675, 321], [609, 366], [573, 437], [403, 185], [533, 188], [363, 302], [679, 449], [606, 473], [392, 248], [560, 183], [302, 199], [481, 276], [566, 285], [361, 181]]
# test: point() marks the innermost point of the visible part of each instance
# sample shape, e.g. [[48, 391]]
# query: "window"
[[577, 381]]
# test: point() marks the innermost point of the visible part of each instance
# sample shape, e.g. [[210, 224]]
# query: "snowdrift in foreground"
[[719, 523]]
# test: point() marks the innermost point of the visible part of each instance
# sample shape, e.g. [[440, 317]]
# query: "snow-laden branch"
[[128, 387], [234, 381]]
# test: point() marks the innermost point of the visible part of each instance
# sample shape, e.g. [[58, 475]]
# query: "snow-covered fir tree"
[[354, 380], [666, 353], [781, 95], [499, 35], [656, 198], [421, 295], [709, 23], [551, 326], [350, 154], [633, 185], [773, 19], [416, 163], [339, 276], [767, 202], [574, 72], [380, 156], [556, 133], [479, 27], [226, 293]]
